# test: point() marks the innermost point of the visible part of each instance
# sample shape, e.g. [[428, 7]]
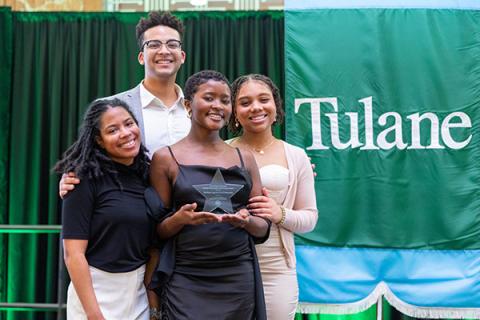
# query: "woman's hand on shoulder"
[[265, 207]]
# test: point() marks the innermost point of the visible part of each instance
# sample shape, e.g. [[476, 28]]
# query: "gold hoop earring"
[[189, 114]]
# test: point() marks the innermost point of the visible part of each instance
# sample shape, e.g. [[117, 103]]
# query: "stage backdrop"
[[386, 102], [62, 61]]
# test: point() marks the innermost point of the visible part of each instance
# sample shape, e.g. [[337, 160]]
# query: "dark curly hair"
[[237, 85], [199, 78], [86, 158], [157, 18]]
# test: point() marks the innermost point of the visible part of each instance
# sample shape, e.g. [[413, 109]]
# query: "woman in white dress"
[[288, 181]]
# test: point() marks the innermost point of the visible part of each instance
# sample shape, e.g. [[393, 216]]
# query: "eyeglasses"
[[171, 44]]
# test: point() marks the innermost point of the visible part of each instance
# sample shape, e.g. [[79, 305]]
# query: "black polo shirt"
[[113, 219]]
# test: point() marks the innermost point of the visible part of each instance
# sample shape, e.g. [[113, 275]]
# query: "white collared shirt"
[[163, 125]]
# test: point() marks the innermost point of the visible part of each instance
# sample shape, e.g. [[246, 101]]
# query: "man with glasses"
[[157, 101]]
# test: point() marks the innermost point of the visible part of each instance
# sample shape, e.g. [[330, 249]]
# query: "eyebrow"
[[123, 121], [213, 92], [110, 127], [258, 95], [162, 40]]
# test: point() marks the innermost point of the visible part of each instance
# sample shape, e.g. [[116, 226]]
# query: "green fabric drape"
[[234, 43], [5, 77], [64, 60], [61, 62]]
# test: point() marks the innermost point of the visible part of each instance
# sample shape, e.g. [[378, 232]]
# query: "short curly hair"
[[237, 85], [199, 78], [158, 18]]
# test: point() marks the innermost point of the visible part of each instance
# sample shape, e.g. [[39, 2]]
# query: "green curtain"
[[5, 78], [234, 43], [64, 60], [61, 62]]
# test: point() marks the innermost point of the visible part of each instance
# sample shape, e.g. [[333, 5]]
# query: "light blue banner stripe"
[[439, 278], [413, 4]]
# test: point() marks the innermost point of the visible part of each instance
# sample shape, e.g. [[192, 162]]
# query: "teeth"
[[215, 116], [258, 117], [128, 144]]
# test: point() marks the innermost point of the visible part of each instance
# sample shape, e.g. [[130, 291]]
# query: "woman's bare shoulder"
[[162, 154]]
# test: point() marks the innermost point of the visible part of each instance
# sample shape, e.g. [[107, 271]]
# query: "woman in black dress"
[[208, 268]]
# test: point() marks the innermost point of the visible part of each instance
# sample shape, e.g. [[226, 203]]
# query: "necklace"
[[261, 151]]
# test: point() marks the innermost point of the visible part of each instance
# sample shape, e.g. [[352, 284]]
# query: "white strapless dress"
[[279, 282]]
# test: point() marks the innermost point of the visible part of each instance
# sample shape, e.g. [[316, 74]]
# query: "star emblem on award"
[[217, 193]]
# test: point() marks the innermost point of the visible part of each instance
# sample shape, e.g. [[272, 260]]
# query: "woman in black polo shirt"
[[106, 230]]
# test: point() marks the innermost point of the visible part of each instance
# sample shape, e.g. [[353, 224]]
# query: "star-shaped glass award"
[[217, 193]]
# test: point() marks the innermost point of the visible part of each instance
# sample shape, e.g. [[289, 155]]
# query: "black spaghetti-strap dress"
[[215, 274]]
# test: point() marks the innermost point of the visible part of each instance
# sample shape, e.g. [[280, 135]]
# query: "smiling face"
[[211, 105], [255, 107], [161, 63], [119, 135]]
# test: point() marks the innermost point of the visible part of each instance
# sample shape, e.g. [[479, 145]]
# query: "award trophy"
[[218, 194]]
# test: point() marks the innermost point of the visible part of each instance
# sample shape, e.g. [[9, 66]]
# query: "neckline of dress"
[[207, 166], [273, 165]]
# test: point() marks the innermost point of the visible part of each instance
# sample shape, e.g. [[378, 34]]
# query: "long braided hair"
[[86, 158]]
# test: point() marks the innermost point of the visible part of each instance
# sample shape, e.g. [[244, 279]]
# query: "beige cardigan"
[[300, 202]]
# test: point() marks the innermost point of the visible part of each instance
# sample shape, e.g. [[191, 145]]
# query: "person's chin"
[[257, 128], [166, 69], [131, 153], [215, 126]]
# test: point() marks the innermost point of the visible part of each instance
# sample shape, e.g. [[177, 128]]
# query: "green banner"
[[386, 102]]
